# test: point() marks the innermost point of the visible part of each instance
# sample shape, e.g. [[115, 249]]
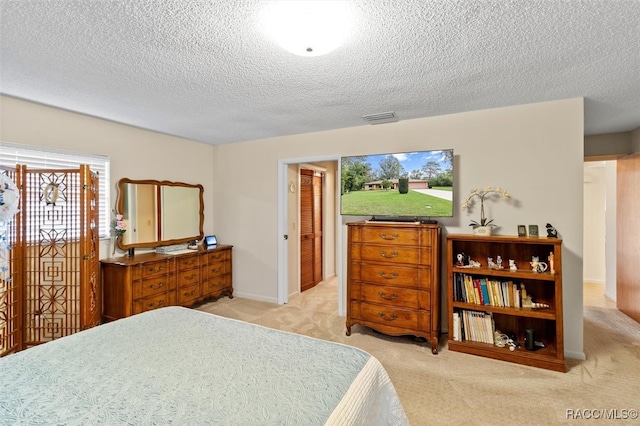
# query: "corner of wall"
[[635, 140]]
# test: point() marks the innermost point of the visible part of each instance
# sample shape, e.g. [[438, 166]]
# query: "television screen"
[[404, 185]]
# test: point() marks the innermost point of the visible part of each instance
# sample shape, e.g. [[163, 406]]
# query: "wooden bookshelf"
[[507, 317]]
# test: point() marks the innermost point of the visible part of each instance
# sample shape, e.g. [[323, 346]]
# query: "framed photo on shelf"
[[533, 230], [522, 231]]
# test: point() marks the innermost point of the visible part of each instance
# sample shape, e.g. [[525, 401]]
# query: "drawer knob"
[[387, 296], [155, 286], [388, 256], [389, 237], [387, 318], [154, 305], [388, 276], [158, 269]]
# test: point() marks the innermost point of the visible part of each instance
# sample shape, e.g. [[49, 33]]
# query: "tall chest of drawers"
[[131, 285], [393, 279]]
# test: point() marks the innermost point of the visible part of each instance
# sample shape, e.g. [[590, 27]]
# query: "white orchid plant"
[[482, 194]]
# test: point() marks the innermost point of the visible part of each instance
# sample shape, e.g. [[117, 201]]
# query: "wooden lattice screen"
[[53, 289]]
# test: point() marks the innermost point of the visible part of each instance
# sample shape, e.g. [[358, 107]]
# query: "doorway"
[[599, 245], [288, 227]]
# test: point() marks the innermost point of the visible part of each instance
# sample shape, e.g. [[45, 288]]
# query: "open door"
[[628, 236]]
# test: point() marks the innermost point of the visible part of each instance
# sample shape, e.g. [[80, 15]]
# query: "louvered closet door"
[[310, 229]]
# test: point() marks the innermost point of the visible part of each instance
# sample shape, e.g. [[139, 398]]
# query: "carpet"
[[461, 389]]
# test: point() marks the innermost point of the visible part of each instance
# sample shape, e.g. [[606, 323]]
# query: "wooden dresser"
[[393, 278], [131, 285]]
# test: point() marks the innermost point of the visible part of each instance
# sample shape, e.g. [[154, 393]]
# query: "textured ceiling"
[[205, 70]]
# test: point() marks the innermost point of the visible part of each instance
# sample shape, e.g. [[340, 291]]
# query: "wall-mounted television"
[[403, 186]]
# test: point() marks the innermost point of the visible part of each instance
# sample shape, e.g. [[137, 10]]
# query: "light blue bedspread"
[[185, 367]]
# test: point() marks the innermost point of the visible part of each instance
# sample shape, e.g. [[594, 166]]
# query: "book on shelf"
[[474, 326], [457, 328], [486, 291]]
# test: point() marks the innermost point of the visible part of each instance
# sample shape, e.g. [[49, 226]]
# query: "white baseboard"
[[594, 281], [575, 355], [255, 297]]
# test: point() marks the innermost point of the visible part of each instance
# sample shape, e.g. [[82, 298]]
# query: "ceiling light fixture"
[[308, 28]]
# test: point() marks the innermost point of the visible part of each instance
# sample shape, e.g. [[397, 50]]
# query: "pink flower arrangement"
[[118, 225]]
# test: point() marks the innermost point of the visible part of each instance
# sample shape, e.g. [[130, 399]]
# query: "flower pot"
[[482, 230]]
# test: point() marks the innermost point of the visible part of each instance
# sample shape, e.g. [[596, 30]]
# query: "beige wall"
[[535, 151], [134, 153], [610, 146], [635, 140], [595, 190]]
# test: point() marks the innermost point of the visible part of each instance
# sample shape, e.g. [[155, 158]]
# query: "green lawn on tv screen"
[[392, 203]]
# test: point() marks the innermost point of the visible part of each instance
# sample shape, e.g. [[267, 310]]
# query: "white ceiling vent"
[[383, 117]]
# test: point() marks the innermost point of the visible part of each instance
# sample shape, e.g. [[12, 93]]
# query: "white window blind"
[[46, 158]]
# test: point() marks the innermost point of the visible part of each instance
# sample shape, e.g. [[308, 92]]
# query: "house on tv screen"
[[413, 184]]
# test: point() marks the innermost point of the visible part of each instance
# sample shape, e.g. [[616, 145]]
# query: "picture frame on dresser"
[[522, 231]]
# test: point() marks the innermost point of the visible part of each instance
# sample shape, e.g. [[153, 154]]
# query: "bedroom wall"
[[595, 190], [635, 140], [134, 153], [535, 151]]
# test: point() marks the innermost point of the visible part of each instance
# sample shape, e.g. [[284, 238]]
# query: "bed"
[[181, 366]]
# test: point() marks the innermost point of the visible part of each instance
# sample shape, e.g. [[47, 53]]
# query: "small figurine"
[[525, 299], [512, 265], [551, 231], [499, 262], [536, 305], [474, 264], [551, 263], [536, 265], [460, 259], [490, 263]]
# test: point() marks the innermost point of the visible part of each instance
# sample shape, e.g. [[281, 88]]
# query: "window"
[[39, 158]]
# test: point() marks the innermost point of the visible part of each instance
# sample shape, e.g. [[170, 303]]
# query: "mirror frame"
[[158, 242]]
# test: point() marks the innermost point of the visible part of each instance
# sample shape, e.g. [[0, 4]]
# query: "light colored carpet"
[[456, 388]]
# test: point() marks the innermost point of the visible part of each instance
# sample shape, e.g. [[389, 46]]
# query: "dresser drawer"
[[391, 254], [150, 303], [391, 296], [191, 276], [150, 287], [188, 262], [188, 294], [215, 285], [389, 236], [386, 274], [154, 269], [216, 269], [218, 255], [396, 317], [390, 316]]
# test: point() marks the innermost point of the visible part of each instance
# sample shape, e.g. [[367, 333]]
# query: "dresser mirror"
[[160, 213]]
